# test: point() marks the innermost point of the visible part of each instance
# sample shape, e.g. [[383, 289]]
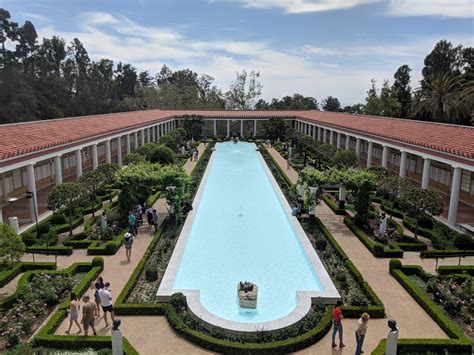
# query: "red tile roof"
[[24, 138]]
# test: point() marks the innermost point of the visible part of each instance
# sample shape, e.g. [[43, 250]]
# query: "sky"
[[313, 47]]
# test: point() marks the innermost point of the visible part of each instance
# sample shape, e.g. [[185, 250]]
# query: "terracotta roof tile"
[[24, 138]]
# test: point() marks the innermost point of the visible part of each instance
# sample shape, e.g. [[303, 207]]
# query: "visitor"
[[360, 332], [392, 338], [74, 313], [294, 211], [196, 153], [103, 220], [337, 324], [155, 220], [106, 303], [190, 155], [88, 315], [149, 216], [99, 285], [132, 223], [128, 242], [383, 225]]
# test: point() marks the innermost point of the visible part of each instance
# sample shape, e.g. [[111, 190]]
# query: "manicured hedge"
[[55, 249], [153, 198], [375, 311], [458, 342], [109, 248], [453, 269], [386, 206], [332, 205], [228, 347], [410, 223], [435, 253], [266, 154], [377, 249], [8, 275]]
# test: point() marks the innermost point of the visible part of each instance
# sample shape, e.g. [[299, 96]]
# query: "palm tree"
[[441, 99]]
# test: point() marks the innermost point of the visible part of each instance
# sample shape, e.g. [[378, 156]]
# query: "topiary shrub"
[[463, 242], [151, 274], [44, 228], [378, 249], [58, 219], [321, 243], [97, 261], [395, 264], [28, 238], [110, 247], [178, 301]]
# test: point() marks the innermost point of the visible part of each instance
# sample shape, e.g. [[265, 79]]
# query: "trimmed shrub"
[[98, 261], [111, 248], [395, 264], [463, 242], [58, 219], [29, 238], [151, 274]]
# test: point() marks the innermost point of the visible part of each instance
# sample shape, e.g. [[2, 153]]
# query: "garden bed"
[[457, 343]]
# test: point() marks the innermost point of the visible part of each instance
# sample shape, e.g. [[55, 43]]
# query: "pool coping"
[[304, 299]]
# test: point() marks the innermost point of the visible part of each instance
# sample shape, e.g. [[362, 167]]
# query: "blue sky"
[[314, 47]]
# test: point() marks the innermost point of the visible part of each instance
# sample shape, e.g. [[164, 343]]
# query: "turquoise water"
[[242, 233]]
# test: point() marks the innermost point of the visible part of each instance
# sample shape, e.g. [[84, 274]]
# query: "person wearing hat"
[[360, 332], [88, 314], [128, 242]]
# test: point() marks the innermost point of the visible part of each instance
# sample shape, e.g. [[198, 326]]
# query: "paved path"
[[10, 288], [290, 172], [190, 164]]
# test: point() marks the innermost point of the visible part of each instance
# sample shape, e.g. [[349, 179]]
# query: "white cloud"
[[31, 16], [302, 6], [343, 70], [443, 8]]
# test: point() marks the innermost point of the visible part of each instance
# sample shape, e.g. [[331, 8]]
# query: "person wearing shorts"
[[128, 242], [106, 303], [74, 313], [99, 284], [88, 318]]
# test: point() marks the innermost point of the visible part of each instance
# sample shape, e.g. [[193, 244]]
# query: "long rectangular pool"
[[241, 229]]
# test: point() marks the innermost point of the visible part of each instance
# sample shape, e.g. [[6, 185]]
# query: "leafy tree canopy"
[[11, 246]]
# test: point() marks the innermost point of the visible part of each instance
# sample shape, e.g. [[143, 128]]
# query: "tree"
[[402, 90], [345, 159], [444, 59], [442, 100], [180, 135], [354, 109], [11, 246], [373, 105], [324, 155], [133, 158], [108, 171], [169, 141], [244, 90], [388, 101], [420, 202], [68, 195], [162, 155], [393, 188], [274, 128], [295, 102], [93, 182], [193, 124], [332, 104]]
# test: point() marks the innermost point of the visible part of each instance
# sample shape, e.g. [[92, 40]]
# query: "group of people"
[[91, 309], [135, 218], [361, 331], [193, 154]]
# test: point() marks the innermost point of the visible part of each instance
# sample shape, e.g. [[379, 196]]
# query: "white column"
[[348, 142], [241, 128], [331, 137], [119, 151], [128, 148], [454, 200], [403, 164], [370, 154], [58, 170], [338, 142], [228, 128], [95, 157], [215, 128], [358, 147], [135, 139], [425, 180], [148, 135], [385, 156], [30, 172], [254, 128], [143, 136], [153, 134], [325, 135], [108, 153], [78, 163]]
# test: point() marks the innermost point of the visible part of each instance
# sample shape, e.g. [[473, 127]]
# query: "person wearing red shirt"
[[337, 324]]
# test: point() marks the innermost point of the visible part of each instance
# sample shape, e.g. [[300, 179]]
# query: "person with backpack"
[[128, 242]]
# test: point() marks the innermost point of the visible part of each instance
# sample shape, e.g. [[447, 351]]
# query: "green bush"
[[57, 219], [395, 264], [454, 269], [151, 274], [332, 205], [97, 261], [29, 238], [110, 247], [43, 228], [463, 242]]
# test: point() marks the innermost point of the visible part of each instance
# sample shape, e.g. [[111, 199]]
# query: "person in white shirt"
[[106, 303]]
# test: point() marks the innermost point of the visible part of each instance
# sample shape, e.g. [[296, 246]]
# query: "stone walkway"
[[10, 288], [290, 172], [190, 164]]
